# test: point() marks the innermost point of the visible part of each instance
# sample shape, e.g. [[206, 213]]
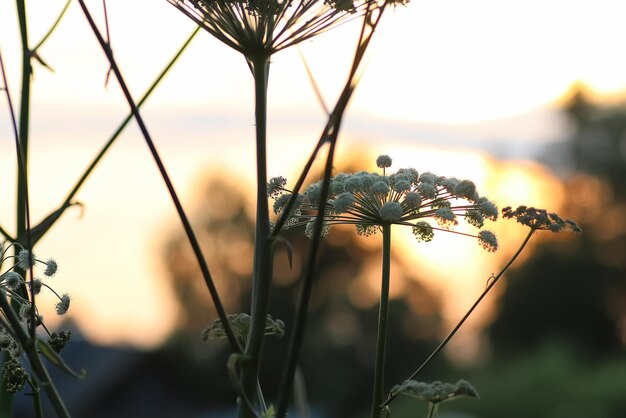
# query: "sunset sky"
[[453, 73]]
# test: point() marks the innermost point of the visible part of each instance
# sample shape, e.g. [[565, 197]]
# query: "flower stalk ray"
[[268, 26]]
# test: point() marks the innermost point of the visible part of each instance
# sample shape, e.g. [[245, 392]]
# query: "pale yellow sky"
[[438, 61], [444, 61]]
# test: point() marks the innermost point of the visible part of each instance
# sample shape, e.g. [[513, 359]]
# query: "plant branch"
[[128, 118], [170, 187], [53, 27], [6, 234], [262, 274], [441, 346]]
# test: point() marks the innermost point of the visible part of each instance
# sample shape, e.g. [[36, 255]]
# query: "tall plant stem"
[[168, 183], [302, 309], [23, 117], [381, 338], [262, 274], [445, 341], [21, 138]]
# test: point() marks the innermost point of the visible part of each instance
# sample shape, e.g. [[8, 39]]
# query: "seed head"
[[383, 161], [63, 305], [488, 241], [11, 280], [391, 211], [25, 259], [51, 268]]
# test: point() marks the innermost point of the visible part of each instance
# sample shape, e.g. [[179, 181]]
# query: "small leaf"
[[270, 413], [55, 359], [38, 231], [40, 60]]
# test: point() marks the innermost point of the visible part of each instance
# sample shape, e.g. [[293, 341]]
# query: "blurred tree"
[[575, 289], [338, 353]]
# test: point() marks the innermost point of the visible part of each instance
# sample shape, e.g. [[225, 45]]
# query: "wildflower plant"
[[372, 202], [536, 220], [19, 318]]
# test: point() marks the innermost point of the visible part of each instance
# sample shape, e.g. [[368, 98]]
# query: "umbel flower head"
[[436, 392], [424, 201], [268, 26]]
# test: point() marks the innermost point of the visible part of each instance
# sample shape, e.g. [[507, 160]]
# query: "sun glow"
[[454, 266]]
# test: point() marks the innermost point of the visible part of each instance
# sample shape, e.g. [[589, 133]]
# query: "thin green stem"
[[381, 338], [36, 398], [126, 121], [53, 27], [445, 341], [5, 234], [23, 117], [22, 204], [262, 274], [168, 183], [48, 222], [13, 124], [431, 410]]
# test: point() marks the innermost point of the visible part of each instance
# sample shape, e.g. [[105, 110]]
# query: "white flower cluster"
[[406, 197], [11, 282]]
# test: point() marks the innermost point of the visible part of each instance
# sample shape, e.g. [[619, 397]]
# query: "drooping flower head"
[[268, 26], [425, 202]]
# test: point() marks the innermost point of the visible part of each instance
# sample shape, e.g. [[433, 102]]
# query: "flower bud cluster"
[[20, 292], [424, 201], [436, 392], [240, 324], [12, 282], [14, 376], [540, 219]]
